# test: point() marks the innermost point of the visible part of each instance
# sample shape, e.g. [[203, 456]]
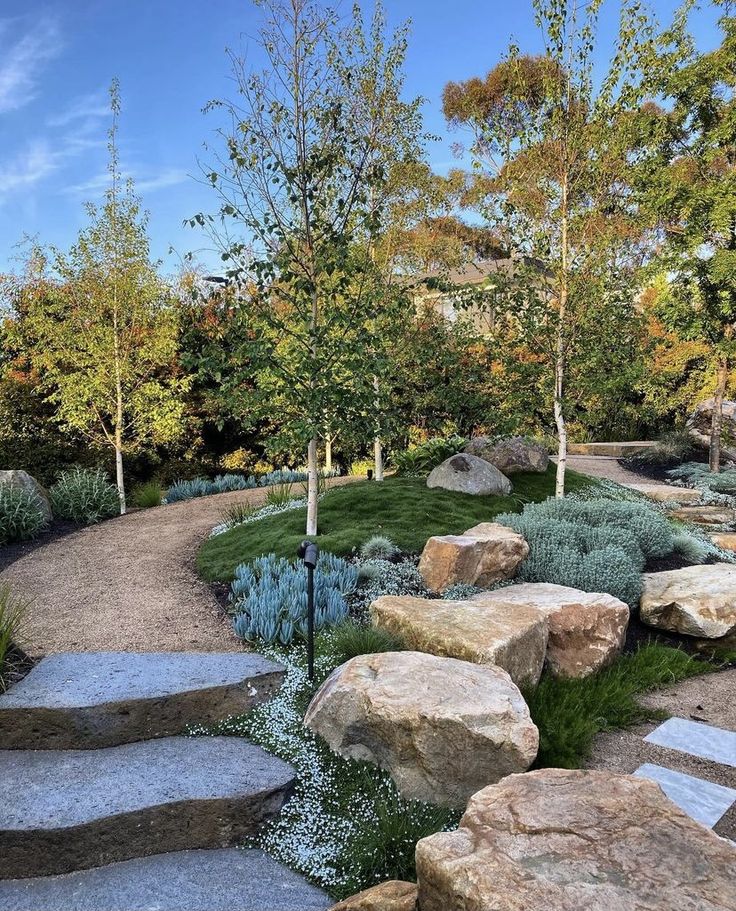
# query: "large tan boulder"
[[484, 554], [27, 482], [705, 515], [469, 474], [394, 895], [510, 455], [695, 601], [481, 630], [725, 540], [560, 840], [442, 728], [667, 493], [587, 630], [699, 423]]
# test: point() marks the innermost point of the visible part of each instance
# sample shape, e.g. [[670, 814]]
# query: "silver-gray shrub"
[[269, 597], [378, 547], [381, 577], [21, 516], [85, 496]]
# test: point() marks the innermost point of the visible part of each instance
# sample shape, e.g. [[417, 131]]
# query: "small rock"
[[468, 474], [510, 455], [562, 840], [442, 728], [394, 895], [480, 556], [481, 630], [29, 483], [694, 601], [667, 493], [726, 540], [586, 629]]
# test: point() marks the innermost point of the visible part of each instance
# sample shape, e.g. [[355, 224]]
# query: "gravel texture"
[[128, 584]]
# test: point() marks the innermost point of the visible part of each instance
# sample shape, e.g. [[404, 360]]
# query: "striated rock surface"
[[559, 840], [29, 483], [394, 895], [694, 601], [482, 630], [510, 455], [466, 473], [484, 554], [699, 423], [586, 629], [442, 728], [705, 515], [725, 540]]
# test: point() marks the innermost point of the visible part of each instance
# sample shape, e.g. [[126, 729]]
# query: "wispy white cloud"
[[86, 108], [37, 160], [23, 57], [145, 182]]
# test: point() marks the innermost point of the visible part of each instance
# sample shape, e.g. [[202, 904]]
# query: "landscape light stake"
[[309, 552]]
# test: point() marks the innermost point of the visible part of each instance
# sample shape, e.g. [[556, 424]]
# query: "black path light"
[[309, 552]]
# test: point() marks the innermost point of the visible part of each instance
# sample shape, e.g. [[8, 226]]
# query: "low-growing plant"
[[693, 549], [269, 597], [238, 513], [279, 494], [84, 496], [350, 639], [147, 495], [378, 547], [421, 459], [21, 515], [189, 489], [361, 467], [226, 483], [696, 474], [381, 577], [461, 591], [671, 448], [12, 609]]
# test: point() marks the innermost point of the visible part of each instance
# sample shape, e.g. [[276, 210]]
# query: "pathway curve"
[[128, 584]]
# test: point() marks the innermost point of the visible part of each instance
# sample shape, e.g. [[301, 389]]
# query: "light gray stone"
[[697, 739], [99, 699], [510, 455], [73, 809], [467, 473], [226, 879], [694, 601], [703, 801], [28, 482]]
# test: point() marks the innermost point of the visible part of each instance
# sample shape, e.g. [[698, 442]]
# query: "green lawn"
[[404, 509]]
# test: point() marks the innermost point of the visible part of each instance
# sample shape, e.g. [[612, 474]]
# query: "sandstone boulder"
[[586, 630], [705, 515], [667, 493], [510, 455], [29, 483], [394, 895], [480, 556], [468, 474], [694, 601], [698, 426], [726, 540], [442, 728], [560, 840], [482, 630]]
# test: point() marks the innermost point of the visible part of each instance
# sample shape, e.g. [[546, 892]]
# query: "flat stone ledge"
[[74, 809], [227, 879], [101, 699]]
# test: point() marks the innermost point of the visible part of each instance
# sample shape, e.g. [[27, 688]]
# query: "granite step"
[[226, 879], [64, 810], [102, 699]]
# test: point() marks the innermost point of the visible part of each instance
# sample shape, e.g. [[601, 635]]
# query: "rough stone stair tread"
[[58, 789], [227, 879]]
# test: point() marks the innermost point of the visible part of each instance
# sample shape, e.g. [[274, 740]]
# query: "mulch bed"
[[9, 553]]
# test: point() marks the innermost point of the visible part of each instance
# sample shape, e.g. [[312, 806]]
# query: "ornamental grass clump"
[[189, 489], [593, 545], [84, 496], [378, 547], [269, 597], [21, 516]]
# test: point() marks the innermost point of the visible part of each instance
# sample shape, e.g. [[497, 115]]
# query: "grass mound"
[[402, 509]]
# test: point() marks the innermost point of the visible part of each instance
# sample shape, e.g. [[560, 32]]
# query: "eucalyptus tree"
[[301, 185], [550, 145]]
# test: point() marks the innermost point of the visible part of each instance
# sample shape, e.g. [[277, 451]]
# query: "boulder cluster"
[[483, 467]]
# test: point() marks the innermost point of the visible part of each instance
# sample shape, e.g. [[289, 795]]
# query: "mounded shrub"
[[21, 516], [378, 547], [85, 496], [696, 474], [420, 460], [381, 577], [269, 597]]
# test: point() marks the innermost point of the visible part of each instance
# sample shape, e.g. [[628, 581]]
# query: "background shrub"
[[421, 459], [147, 495], [671, 448], [696, 474], [381, 577], [21, 516], [84, 496], [269, 597]]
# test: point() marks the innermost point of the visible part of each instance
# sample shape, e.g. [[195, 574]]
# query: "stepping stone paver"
[[73, 809], [100, 699], [697, 739], [704, 801], [227, 879]]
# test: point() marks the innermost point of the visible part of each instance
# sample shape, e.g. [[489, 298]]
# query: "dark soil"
[[17, 665], [59, 528]]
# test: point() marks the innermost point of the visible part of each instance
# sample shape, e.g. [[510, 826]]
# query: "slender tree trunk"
[[559, 410], [119, 472], [377, 449], [714, 455], [328, 453], [312, 487], [561, 426]]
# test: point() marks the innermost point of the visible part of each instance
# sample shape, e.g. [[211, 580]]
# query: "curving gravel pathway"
[[128, 584]]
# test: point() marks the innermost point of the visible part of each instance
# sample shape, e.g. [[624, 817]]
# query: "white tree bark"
[[312, 487], [120, 478], [328, 454], [377, 451]]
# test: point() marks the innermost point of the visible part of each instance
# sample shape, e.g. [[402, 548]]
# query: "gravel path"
[[128, 584], [607, 467]]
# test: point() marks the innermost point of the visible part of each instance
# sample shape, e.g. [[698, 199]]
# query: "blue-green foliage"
[[593, 545], [84, 496], [378, 547], [188, 490], [269, 597], [698, 475], [225, 483], [21, 516]]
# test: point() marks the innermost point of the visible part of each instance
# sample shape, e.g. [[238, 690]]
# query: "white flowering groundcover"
[[346, 827]]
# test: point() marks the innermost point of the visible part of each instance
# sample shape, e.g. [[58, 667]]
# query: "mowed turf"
[[403, 509]]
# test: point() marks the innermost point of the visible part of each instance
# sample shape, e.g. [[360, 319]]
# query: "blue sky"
[[57, 60]]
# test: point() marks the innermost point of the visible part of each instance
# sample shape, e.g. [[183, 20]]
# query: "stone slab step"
[[228, 879], [73, 809], [101, 699]]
